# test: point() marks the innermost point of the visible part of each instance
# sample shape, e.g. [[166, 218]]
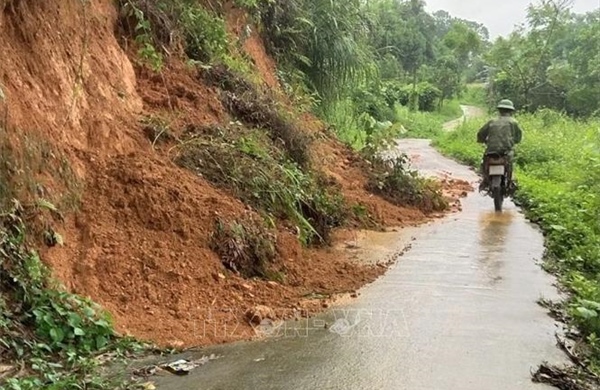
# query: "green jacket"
[[500, 135]]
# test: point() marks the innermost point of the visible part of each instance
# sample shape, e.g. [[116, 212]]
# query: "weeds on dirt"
[[161, 26], [392, 180], [151, 29], [205, 33], [247, 247], [257, 109], [247, 163], [157, 130], [51, 339]]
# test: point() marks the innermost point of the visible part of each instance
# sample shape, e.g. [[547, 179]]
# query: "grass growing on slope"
[[247, 162]]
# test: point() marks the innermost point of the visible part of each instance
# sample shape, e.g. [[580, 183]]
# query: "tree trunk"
[[414, 98]]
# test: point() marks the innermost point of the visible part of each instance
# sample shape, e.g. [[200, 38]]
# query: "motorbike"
[[497, 169]]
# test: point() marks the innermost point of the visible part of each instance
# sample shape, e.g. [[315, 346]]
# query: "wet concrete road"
[[457, 312]]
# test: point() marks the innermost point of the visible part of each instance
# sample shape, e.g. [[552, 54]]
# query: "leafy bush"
[[375, 103], [205, 33], [395, 182], [427, 95], [160, 25]]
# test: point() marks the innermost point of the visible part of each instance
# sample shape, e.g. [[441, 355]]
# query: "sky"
[[500, 16]]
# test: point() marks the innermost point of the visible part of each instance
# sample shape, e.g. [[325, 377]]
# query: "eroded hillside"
[[168, 183]]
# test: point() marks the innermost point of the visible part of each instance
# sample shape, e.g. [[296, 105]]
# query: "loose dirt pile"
[[138, 243]]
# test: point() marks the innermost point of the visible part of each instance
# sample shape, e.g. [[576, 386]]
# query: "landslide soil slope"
[[138, 242]]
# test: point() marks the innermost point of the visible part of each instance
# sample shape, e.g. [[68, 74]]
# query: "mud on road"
[[457, 311]]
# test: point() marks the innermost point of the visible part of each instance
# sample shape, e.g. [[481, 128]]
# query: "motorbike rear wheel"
[[497, 193], [498, 198]]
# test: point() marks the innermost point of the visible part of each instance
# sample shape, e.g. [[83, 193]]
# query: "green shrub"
[[373, 102], [426, 93], [395, 182], [160, 26], [205, 33]]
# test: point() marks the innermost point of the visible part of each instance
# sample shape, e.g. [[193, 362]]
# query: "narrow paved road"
[[457, 312], [468, 112]]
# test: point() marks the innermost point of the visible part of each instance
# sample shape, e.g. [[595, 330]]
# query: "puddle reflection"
[[493, 231]]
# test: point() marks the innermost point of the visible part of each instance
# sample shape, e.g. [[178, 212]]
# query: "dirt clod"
[[258, 314]]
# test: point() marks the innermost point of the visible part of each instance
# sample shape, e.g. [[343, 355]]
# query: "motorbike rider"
[[500, 136]]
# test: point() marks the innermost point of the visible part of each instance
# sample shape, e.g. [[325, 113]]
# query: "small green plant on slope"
[[205, 33], [147, 51], [52, 336], [162, 27]]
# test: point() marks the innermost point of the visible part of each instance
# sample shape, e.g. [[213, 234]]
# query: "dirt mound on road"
[[137, 239]]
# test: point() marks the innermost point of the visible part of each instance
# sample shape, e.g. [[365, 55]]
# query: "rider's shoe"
[[483, 186]]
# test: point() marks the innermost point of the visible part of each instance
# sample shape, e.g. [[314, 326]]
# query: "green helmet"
[[506, 104]]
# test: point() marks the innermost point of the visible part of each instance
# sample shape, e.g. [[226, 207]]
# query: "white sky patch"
[[499, 17]]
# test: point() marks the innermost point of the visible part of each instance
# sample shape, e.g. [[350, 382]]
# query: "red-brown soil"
[[138, 243]]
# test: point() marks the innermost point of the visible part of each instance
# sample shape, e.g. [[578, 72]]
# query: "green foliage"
[[425, 93], [463, 41], [474, 95], [558, 169], [249, 5], [160, 26], [205, 33], [447, 76], [396, 183], [143, 34], [374, 103], [258, 108], [247, 163], [324, 39], [552, 64], [54, 335], [361, 59]]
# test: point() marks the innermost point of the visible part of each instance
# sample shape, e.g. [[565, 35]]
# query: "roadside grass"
[[558, 172], [449, 111], [475, 95]]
